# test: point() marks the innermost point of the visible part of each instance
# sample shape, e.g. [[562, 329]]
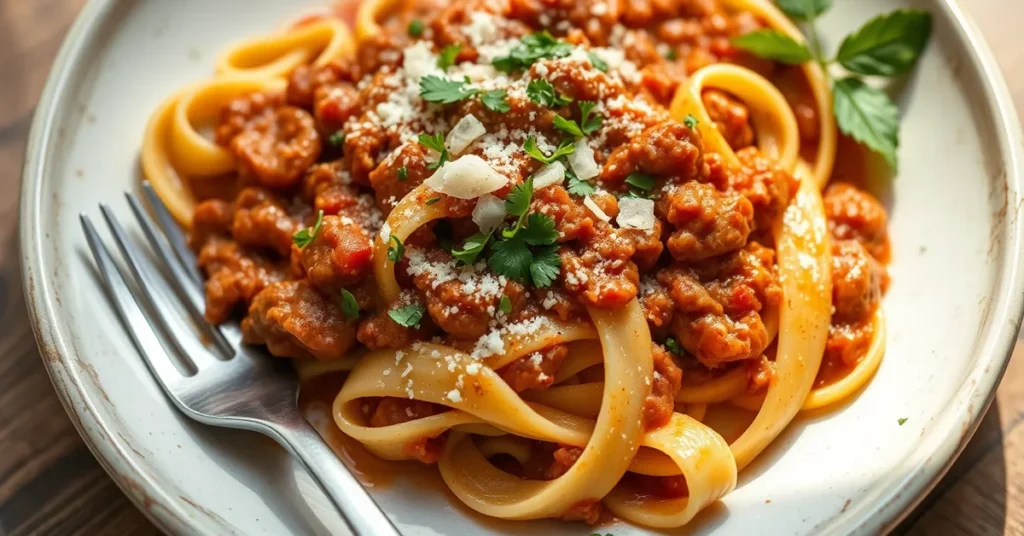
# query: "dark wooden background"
[[50, 483]]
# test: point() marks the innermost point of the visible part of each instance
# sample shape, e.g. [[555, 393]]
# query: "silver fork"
[[222, 383]]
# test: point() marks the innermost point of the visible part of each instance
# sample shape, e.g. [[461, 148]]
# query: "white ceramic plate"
[[953, 310]]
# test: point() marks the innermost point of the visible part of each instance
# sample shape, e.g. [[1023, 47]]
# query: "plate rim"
[[953, 427]]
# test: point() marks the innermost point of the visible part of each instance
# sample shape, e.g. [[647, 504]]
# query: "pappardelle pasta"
[[546, 244]]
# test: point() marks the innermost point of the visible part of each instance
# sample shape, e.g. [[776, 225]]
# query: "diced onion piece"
[[465, 132], [468, 177], [489, 213], [582, 161], [550, 174], [636, 213], [589, 203], [419, 60]]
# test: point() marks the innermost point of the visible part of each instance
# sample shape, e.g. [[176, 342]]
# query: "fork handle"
[[358, 509]]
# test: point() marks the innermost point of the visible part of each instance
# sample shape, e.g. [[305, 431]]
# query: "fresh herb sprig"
[[305, 236], [885, 46], [545, 94], [565, 148], [531, 48], [435, 142]]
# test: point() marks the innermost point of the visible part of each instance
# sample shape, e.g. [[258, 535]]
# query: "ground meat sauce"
[[343, 140]]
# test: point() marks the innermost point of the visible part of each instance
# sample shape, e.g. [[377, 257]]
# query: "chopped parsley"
[[505, 304], [641, 181], [472, 248], [672, 346], [531, 48], [403, 173], [901, 420], [543, 93], [590, 122], [495, 100], [416, 27], [511, 258], [408, 316], [432, 200], [568, 126], [511, 255], [435, 142], [337, 139], [517, 203], [349, 305], [545, 266], [395, 249], [690, 121], [564, 149], [580, 187], [443, 90], [447, 57], [539, 230], [672, 54], [305, 236], [598, 63]]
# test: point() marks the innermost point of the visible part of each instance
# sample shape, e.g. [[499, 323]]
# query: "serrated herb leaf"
[[886, 45], [395, 248], [804, 9], [447, 56], [471, 248], [531, 48], [495, 100], [539, 230], [442, 90], [590, 122], [305, 236], [349, 305], [518, 200], [641, 181], [511, 258], [568, 126], [543, 93], [774, 45], [867, 115], [435, 142], [408, 316], [597, 62], [580, 187], [545, 266], [564, 149]]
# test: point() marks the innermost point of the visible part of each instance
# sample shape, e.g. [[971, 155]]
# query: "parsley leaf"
[[432, 200], [531, 48], [564, 149], [505, 304], [641, 181], [691, 122], [545, 266], [517, 203], [867, 115], [901, 420], [349, 305], [495, 101], [435, 142], [590, 122], [305, 236], [545, 94], [886, 45], [442, 90], [774, 45], [447, 57], [511, 258], [672, 54], [580, 187], [597, 62], [337, 139], [403, 173], [408, 316], [568, 126], [804, 9], [396, 250], [416, 27], [539, 230], [472, 248], [672, 346]]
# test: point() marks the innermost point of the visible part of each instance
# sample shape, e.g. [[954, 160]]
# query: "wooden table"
[[50, 483]]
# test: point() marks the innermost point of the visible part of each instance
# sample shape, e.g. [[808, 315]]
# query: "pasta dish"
[[589, 258]]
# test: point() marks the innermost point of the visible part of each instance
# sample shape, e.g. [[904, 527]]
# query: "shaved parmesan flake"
[[489, 213], [468, 177], [582, 161], [589, 203], [465, 132], [419, 60], [636, 213], [551, 174]]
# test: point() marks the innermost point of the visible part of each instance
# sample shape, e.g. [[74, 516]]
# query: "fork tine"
[[161, 313], [141, 333], [173, 233], [187, 288]]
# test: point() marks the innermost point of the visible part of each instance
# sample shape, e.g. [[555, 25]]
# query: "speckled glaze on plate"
[[954, 306]]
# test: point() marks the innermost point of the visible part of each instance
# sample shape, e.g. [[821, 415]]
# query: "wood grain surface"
[[51, 484]]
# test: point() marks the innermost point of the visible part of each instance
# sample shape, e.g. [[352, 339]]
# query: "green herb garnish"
[[564, 149], [337, 139], [305, 236], [531, 48], [597, 62], [442, 90], [495, 100], [403, 173], [435, 142], [901, 420], [672, 346], [691, 122], [543, 93], [447, 56], [472, 248], [416, 28], [432, 200], [349, 305], [408, 316], [505, 304], [395, 248]]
